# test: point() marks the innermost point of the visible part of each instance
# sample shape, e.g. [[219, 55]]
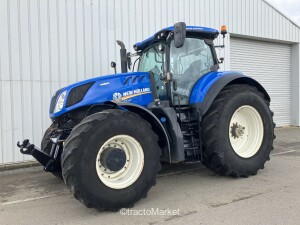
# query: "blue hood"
[[132, 87]]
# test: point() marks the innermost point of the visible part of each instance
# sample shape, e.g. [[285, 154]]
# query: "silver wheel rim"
[[246, 131], [133, 166]]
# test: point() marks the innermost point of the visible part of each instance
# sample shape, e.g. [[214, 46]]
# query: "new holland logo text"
[[130, 94]]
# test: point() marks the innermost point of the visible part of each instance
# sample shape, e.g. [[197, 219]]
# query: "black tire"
[[46, 146], [218, 154], [81, 149]]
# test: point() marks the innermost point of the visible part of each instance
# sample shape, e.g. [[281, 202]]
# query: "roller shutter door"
[[270, 64]]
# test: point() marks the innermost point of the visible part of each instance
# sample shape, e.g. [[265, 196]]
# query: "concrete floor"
[[31, 196]]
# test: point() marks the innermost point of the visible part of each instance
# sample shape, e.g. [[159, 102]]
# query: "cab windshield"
[[152, 61]]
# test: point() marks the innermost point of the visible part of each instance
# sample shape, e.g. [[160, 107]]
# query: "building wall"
[[295, 80], [47, 44]]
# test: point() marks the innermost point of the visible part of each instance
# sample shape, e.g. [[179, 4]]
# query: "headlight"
[[60, 102]]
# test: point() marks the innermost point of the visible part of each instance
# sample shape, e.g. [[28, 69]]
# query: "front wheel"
[[110, 160], [46, 146], [238, 132]]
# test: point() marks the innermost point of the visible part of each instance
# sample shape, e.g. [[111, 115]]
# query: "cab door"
[[188, 64]]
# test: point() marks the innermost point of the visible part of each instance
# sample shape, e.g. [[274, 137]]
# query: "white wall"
[[47, 44], [295, 111]]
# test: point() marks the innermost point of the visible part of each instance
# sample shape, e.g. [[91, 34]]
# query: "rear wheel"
[[238, 132], [110, 160]]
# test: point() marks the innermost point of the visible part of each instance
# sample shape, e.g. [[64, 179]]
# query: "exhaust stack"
[[123, 55]]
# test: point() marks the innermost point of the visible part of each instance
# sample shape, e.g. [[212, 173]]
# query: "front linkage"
[[48, 158]]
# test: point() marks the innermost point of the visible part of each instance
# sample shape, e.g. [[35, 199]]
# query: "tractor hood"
[[132, 87]]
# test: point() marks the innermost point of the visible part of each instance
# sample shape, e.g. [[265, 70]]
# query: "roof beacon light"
[[223, 30]]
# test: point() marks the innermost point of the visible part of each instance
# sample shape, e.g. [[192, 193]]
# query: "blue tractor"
[[110, 133]]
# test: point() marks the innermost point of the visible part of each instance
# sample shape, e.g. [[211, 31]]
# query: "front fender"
[[157, 126], [208, 87]]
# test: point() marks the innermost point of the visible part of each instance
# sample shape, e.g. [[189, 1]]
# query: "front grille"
[[53, 100], [77, 94]]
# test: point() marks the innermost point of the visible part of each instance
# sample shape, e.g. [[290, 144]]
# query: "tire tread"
[[69, 156], [214, 158]]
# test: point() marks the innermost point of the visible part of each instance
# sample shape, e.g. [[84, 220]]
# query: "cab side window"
[[189, 63]]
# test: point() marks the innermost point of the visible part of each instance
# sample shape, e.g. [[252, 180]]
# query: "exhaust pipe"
[[123, 54]]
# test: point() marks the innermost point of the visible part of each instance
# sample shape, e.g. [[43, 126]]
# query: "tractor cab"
[[177, 57]]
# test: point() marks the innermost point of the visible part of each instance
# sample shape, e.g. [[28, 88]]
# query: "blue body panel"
[[151, 40], [202, 86], [136, 90]]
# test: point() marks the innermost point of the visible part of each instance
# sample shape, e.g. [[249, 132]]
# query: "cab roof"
[[195, 31]]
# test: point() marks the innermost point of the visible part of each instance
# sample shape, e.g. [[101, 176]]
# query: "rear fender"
[[223, 79]]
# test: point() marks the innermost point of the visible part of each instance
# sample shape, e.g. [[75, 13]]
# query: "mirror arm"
[[135, 63], [170, 37], [223, 45], [129, 63]]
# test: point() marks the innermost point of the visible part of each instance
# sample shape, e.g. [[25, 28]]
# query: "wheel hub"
[[237, 130], [246, 131], [113, 159], [120, 161]]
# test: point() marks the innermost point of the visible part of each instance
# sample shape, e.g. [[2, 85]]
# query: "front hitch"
[[27, 146], [50, 163]]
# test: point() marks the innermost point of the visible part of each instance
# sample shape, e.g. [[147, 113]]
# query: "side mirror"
[[179, 34], [114, 66]]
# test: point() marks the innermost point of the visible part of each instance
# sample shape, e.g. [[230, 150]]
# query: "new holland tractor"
[[109, 134]]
